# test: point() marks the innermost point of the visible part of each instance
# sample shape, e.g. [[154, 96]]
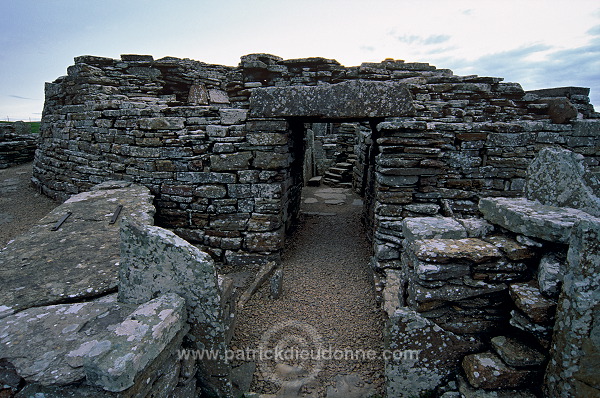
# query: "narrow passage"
[[328, 305]]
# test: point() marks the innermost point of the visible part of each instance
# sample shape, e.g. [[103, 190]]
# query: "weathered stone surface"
[[57, 345], [476, 227], [486, 370], [468, 391], [575, 354], [529, 299], [351, 99], [515, 353], [558, 177], [550, 274], [80, 260], [156, 261], [431, 354], [447, 250], [452, 292], [415, 228], [560, 110], [542, 333], [392, 291], [531, 218], [135, 343], [511, 248]]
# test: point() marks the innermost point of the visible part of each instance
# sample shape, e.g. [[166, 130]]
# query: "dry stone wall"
[[17, 144], [221, 148]]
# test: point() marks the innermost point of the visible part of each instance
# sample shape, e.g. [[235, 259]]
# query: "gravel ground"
[[328, 300], [21, 206]]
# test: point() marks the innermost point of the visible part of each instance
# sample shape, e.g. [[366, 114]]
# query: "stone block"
[[230, 161], [426, 355], [161, 123], [432, 228], [350, 99], [468, 391], [114, 363], [476, 227], [529, 299], [516, 353], [531, 218], [486, 370], [267, 139], [512, 249], [448, 250], [232, 116], [211, 191], [550, 274], [264, 241], [558, 177]]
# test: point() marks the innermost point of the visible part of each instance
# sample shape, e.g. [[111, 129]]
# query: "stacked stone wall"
[[17, 144], [225, 176]]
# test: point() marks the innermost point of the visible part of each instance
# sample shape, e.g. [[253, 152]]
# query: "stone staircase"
[[340, 174]]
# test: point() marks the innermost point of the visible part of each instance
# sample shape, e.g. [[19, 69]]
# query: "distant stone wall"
[[226, 169], [17, 144]]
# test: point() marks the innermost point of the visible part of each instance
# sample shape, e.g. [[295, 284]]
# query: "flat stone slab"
[[447, 250], [516, 353], [351, 99], [486, 370], [103, 340], [79, 260], [432, 227], [529, 299], [531, 218]]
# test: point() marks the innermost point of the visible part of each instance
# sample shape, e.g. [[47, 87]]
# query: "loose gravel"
[[21, 205], [328, 299]]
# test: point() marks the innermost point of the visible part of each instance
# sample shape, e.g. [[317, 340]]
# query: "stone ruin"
[[480, 200], [17, 144]]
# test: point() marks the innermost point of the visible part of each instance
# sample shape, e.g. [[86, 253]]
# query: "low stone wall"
[[486, 290], [65, 332], [17, 145]]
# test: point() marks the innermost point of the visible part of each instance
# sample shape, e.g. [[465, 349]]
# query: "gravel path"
[[21, 206], [328, 300]]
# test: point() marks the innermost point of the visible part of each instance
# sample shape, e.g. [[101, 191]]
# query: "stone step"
[[315, 181], [529, 299], [338, 170], [333, 176], [344, 165], [516, 353]]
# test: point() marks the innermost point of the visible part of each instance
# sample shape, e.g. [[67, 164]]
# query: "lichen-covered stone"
[[447, 250], [528, 298], [155, 261], [114, 363], [516, 353], [79, 260], [486, 370], [550, 274], [511, 248], [531, 218], [431, 354], [558, 177], [432, 227], [572, 370], [476, 227], [351, 99]]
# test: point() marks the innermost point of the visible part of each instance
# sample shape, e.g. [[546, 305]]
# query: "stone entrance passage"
[[328, 302]]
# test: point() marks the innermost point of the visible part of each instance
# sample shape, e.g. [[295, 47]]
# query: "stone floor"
[[328, 301]]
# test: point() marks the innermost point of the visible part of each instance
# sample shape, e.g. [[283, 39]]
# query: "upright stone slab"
[[350, 99], [573, 368], [558, 177], [156, 261]]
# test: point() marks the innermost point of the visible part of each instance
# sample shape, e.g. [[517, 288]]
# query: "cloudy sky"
[[539, 44]]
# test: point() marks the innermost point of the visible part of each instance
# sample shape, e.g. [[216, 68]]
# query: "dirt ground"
[[327, 300], [21, 205]]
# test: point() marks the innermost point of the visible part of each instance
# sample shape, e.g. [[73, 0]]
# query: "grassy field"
[[35, 126]]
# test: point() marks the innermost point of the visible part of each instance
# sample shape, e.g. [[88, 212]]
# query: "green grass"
[[35, 126]]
